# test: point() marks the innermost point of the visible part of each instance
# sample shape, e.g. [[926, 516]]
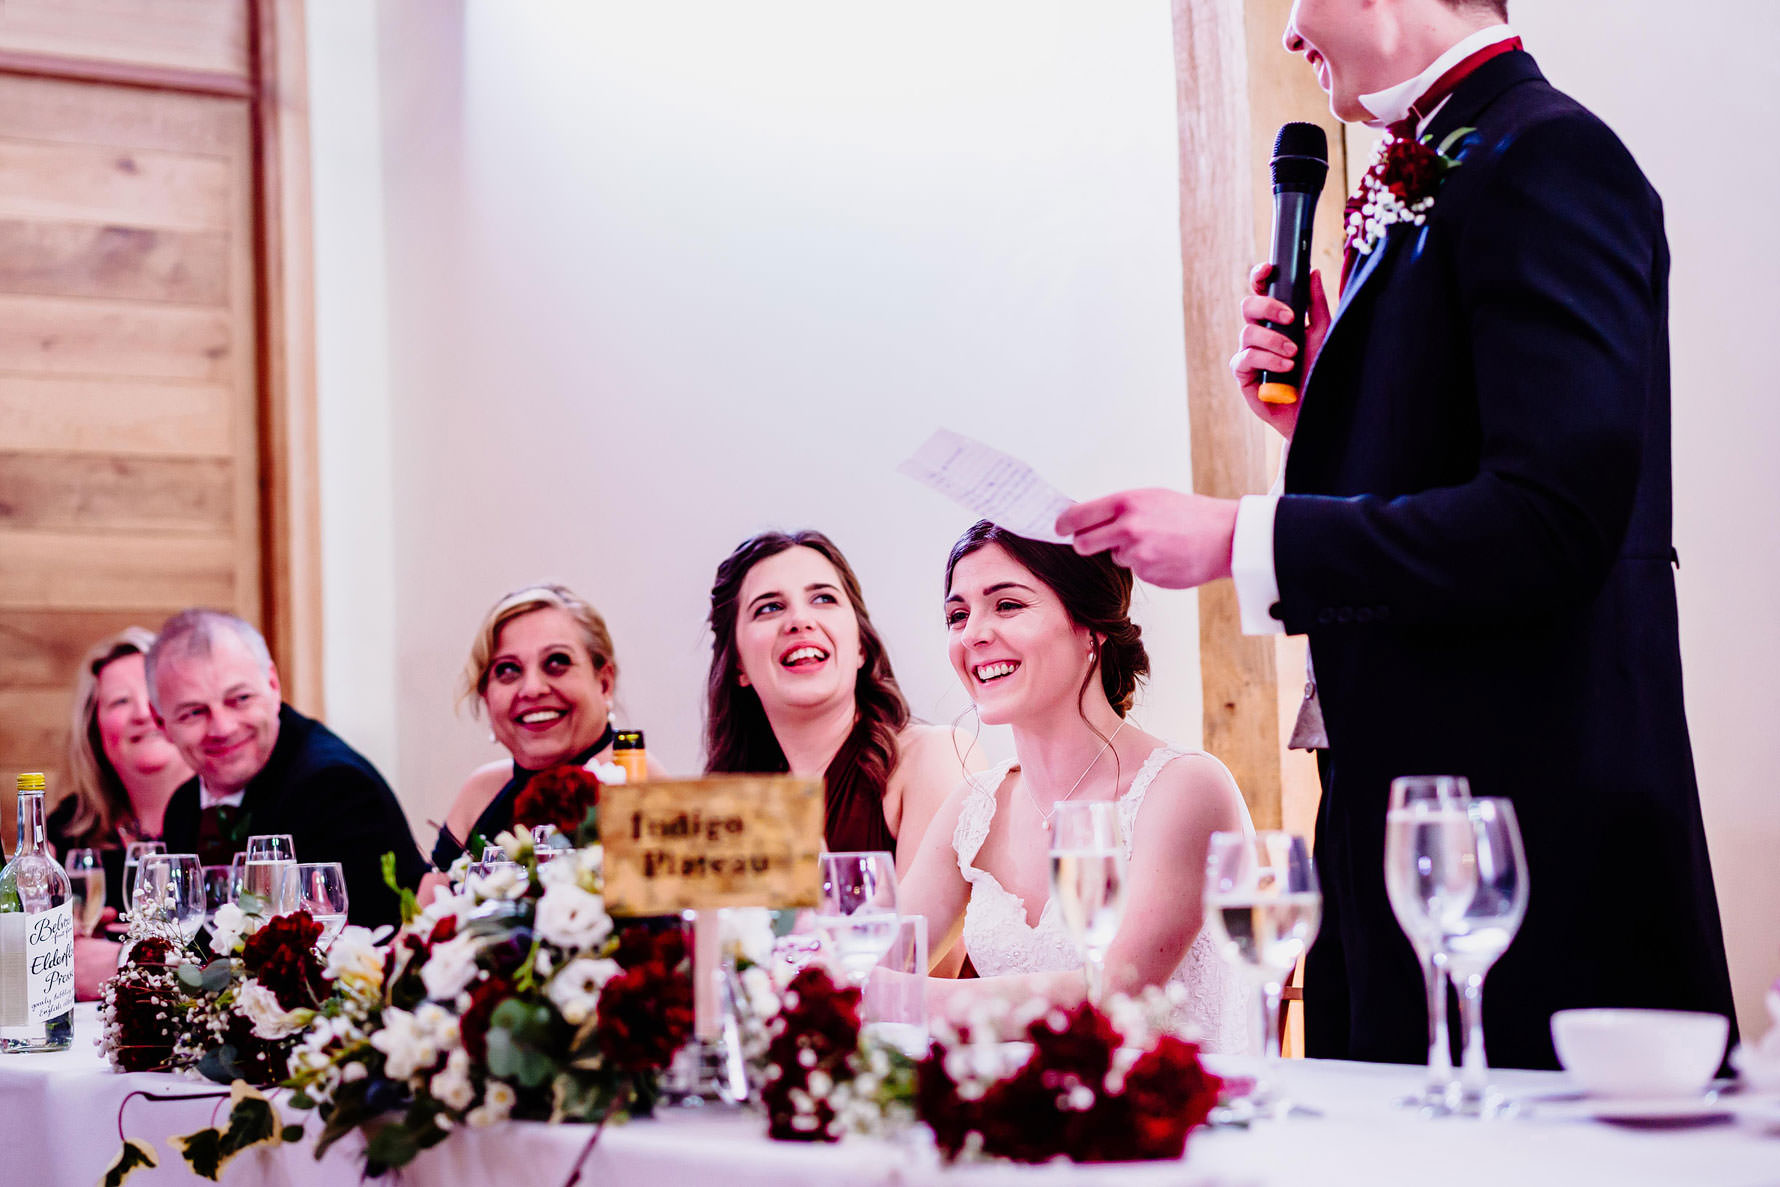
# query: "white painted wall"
[[661, 275], [352, 378]]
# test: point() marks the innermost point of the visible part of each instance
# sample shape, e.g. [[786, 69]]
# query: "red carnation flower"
[[281, 956], [645, 1012], [559, 796]]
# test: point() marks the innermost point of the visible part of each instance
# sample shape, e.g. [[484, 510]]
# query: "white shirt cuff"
[[1251, 565]]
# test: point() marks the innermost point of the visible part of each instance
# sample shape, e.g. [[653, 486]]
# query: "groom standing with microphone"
[[1474, 531]]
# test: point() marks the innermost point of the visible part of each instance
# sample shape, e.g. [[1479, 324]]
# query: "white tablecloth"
[[58, 1125]]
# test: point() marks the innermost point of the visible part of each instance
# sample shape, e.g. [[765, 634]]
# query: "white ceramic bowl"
[[1640, 1053]]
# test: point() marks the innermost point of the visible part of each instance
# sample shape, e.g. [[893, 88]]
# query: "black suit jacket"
[[332, 802], [1476, 537]]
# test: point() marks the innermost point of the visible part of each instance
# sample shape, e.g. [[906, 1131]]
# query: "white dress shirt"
[[1251, 552], [209, 799]]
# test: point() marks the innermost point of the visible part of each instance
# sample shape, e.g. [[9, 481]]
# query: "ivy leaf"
[[202, 1152], [133, 1156]]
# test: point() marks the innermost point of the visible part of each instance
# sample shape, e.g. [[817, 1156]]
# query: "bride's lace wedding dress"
[[1001, 942]]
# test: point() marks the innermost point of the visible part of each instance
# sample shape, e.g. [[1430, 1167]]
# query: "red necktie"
[[1409, 126]]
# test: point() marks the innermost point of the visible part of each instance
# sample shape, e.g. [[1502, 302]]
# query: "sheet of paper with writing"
[[1001, 489], [721, 841]]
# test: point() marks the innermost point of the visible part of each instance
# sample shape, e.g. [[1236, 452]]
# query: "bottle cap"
[[31, 781], [628, 740]]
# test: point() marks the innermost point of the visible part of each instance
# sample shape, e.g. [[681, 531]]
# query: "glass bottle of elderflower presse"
[[36, 937]]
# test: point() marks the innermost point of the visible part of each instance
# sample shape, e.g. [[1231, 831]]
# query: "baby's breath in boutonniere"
[[1398, 187]]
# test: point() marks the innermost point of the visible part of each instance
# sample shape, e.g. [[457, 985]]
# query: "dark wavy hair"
[[1096, 593], [738, 736]]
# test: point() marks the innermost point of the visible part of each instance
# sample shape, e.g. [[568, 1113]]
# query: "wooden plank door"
[[132, 311]]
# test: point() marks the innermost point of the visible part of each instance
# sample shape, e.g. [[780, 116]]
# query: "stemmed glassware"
[[1088, 882], [134, 852], [222, 884], [270, 858], [1478, 935], [320, 889], [856, 912], [172, 885], [1428, 874], [86, 875], [1263, 905]]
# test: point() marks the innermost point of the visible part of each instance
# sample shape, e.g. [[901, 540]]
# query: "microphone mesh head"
[[1300, 157]]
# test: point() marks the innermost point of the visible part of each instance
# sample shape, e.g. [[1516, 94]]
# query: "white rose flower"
[[575, 990], [503, 882], [355, 956], [451, 1084], [749, 932], [454, 906], [571, 918], [226, 930], [450, 968], [412, 1042], [459, 869], [497, 1105], [270, 1020], [607, 772]]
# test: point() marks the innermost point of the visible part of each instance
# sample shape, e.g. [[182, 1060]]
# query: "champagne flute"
[[1263, 906], [1416, 801], [320, 889], [1088, 882], [172, 885], [133, 854], [1478, 935], [856, 911], [270, 858], [86, 877]]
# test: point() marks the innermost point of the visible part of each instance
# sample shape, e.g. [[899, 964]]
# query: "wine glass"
[[319, 888], [270, 858], [133, 853], [222, 884], [1412, 872], [1088, 882], [86, 877], [856, 911], [1263, 905], [172, 885], [1480, 933]]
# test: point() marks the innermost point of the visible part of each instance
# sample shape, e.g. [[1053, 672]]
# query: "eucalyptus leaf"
[[216, 976], [390, 1146], [190, 976], [251, 904]]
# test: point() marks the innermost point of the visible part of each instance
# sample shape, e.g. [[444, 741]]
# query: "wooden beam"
[[1237, 673], [288, 437], [1235, 85]]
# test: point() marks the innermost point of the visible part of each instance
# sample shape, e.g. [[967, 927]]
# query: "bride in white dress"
[[1043, 641]]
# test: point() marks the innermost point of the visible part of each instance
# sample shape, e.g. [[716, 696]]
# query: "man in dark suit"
[[262, 767], [1475, 535]]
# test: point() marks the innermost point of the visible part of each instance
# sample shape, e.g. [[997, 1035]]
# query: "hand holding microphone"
[[1271, 364]]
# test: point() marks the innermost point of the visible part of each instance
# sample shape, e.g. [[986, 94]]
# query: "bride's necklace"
[[1044, 817]]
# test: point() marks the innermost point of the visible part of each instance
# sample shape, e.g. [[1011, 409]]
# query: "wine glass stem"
[[1094, 971], [1271, 993], [1439, 1040], [1475, 1075]]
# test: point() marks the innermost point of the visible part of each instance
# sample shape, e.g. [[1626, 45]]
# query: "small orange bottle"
[[628, 752]]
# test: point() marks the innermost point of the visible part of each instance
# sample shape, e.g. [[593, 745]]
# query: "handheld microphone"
[[1300, 165]]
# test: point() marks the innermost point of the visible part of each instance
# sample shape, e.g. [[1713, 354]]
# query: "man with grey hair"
[[262, 767]]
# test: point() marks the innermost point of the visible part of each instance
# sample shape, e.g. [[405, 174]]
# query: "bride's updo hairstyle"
[[1094, 590]]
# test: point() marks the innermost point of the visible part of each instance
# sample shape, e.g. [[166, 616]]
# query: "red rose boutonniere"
[[1398, 187]]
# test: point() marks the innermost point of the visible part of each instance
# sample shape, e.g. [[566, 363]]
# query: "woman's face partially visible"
[[545, 699]]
